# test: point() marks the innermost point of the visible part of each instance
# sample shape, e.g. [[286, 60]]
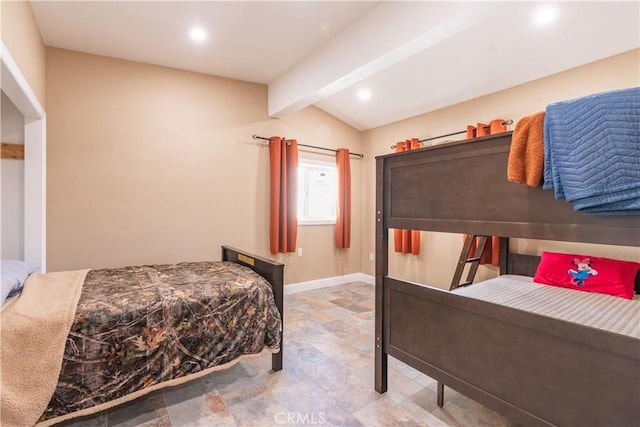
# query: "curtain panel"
[[491, 253], [283, 220], [343, 214], [407, 241]]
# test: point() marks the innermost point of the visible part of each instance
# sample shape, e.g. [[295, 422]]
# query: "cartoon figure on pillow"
[[584, 271]]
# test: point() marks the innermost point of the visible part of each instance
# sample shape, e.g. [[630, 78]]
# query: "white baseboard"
[[294, 288]]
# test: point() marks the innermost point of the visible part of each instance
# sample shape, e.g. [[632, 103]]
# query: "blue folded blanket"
[[592, 151]]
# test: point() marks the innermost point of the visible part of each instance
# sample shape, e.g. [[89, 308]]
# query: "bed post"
[[278, 295], [504, 256], [273, 272], [382, 269]]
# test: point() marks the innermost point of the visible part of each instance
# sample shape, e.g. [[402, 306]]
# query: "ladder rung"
[[464, 259]]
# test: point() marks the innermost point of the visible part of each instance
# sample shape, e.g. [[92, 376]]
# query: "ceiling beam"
[[386, 35]]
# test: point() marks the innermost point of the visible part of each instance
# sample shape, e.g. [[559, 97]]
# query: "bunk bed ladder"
[[464, 260], [455, 282]]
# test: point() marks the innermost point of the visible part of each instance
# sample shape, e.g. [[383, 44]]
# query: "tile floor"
[[327, 380]]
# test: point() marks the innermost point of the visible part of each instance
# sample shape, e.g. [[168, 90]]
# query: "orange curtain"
[[483, 129], [491, 253], [407, 241], [343, 215], [283, 227], [471, 131]]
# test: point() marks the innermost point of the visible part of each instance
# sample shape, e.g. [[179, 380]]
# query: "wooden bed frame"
[[533, 369], [274, 273]]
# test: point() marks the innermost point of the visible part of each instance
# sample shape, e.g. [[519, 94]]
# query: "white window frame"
[[302, 219]]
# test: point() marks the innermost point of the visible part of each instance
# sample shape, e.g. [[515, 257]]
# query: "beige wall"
[[150, 165], [21, 36], [436, 263]]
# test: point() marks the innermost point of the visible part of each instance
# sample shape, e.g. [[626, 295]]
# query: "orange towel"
[[526, 156]]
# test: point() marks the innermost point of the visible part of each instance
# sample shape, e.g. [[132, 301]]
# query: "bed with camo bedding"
[[137, 329]]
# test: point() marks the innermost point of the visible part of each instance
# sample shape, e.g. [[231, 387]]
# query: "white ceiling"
[[414, 56]]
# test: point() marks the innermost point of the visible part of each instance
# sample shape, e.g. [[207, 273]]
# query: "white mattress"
[[613, 314]]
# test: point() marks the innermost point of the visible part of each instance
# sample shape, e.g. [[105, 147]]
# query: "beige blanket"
[[33, 332]]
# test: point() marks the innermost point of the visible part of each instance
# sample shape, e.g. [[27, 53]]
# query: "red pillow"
[[587, 273]]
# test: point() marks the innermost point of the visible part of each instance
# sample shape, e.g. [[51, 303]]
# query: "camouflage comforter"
[[138, 326]]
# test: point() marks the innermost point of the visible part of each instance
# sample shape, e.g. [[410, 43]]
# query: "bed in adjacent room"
[[77, 342], [538, 354]]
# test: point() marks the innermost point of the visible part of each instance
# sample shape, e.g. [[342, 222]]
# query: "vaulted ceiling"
[[367, 63]]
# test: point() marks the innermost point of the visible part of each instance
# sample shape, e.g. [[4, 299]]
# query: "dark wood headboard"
[[468, 192]]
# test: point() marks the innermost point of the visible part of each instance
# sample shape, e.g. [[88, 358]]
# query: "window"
[[317, 192]]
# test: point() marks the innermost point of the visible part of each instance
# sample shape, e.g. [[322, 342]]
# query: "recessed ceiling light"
[[198, 34], [364, 94], [545, 15]]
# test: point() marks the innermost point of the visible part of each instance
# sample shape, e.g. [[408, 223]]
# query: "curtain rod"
[[504, 123], [312, 146]]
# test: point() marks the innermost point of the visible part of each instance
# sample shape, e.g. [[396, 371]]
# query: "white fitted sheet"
[[613, 314]]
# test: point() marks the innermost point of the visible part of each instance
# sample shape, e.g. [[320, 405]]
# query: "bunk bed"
[[133, 330], [534, 369]]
